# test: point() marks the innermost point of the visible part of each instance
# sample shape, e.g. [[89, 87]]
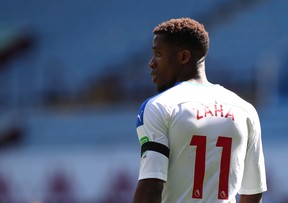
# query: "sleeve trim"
[[252, 191]]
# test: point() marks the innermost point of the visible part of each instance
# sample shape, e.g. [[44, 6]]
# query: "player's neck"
[[201, 77]]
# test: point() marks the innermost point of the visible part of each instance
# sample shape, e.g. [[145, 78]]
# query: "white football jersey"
[[204, 141]]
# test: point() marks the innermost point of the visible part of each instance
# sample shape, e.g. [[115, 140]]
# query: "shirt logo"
[[223, 195], [141, 113], [144, 140], [140, 116]]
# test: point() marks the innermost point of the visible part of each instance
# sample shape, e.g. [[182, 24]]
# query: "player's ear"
[[184, 56]]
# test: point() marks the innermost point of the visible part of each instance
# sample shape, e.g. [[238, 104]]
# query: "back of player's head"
[[185, 33]]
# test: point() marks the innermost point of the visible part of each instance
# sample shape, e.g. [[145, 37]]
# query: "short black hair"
[[185, 33]]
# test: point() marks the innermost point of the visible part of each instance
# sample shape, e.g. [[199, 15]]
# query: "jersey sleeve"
[[152, 134], [254, 177]]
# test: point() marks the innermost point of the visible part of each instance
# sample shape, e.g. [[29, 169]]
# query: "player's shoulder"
[[159, 102], [171, 95], [150, 108], [237, 100], [155, 100]]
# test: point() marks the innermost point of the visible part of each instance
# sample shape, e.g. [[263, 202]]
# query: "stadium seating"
[[78, 49]]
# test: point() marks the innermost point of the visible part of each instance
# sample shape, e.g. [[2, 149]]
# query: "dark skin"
[[171, 65], [257, 198], [148, 190]]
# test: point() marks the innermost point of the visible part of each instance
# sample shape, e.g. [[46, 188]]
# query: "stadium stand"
[[70, 116]]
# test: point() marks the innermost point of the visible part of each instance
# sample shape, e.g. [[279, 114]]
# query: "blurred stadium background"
[[73, 75]]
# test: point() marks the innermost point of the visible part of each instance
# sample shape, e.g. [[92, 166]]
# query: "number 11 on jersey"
[[200, 164]]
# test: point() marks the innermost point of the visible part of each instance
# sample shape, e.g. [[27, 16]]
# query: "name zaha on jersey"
[[216, 110]]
